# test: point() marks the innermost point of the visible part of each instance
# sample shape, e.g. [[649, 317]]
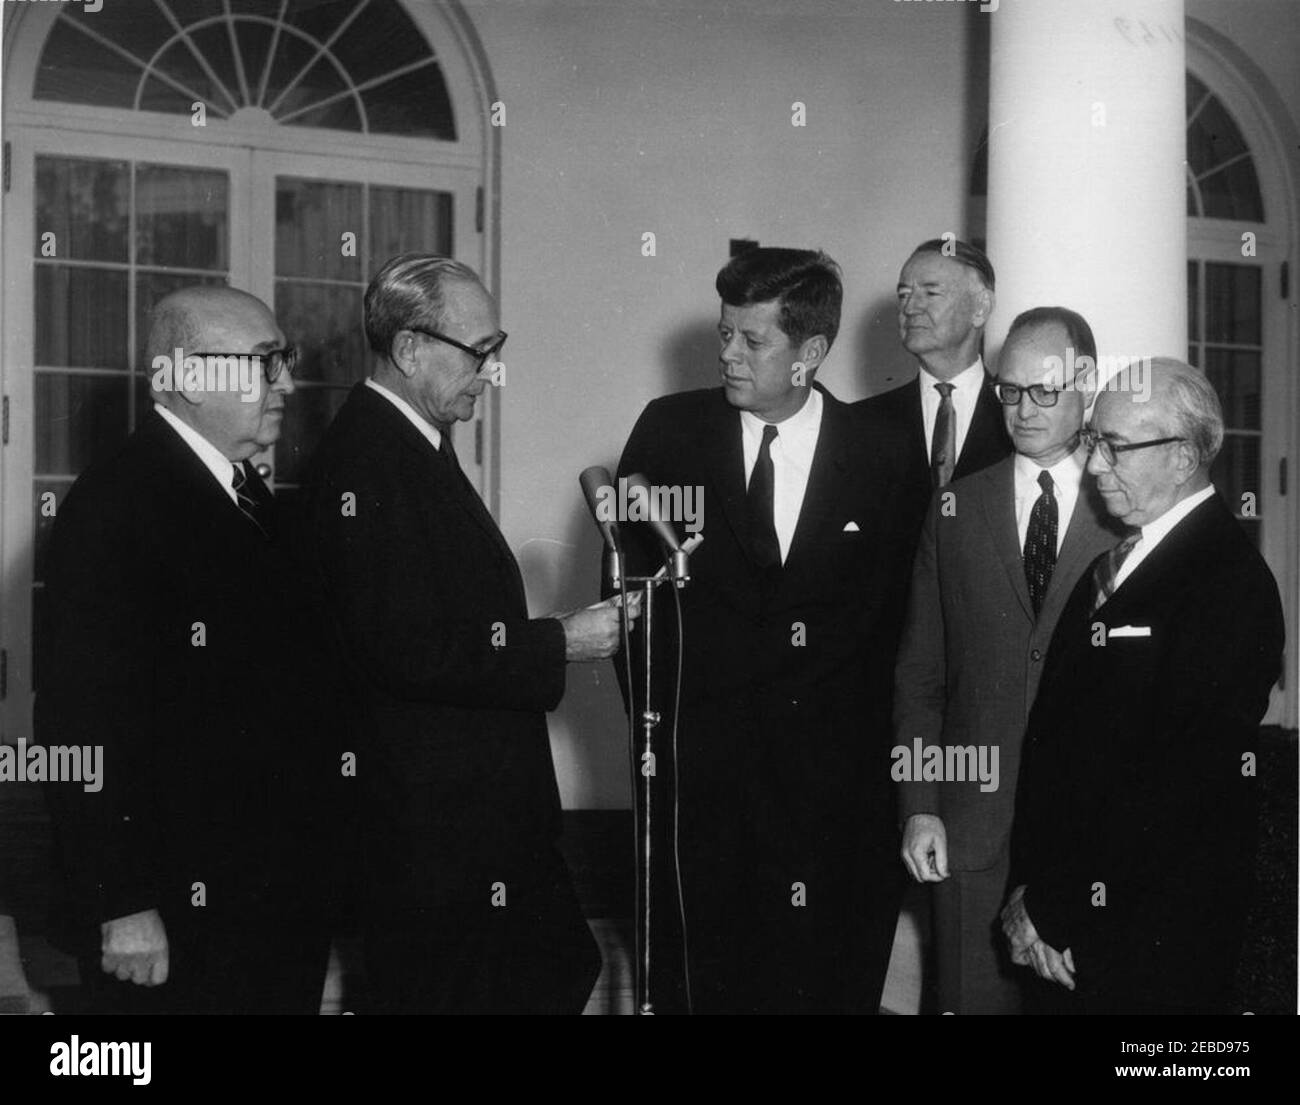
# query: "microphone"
[[593, 481], [680, 570]]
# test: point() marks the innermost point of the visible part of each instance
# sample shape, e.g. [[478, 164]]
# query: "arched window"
[[358, 66]]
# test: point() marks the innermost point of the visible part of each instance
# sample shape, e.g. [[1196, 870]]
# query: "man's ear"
[[402, 353], [983, 306], [813, 352]]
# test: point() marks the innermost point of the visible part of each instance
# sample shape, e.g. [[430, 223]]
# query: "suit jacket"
[[973, 652], [1134, 778], [452, 681], [180, 640], [786, 673], [986, 441]]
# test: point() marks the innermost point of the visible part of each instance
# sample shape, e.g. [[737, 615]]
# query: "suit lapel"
[[724, 447], [981, 446], [1000, 516]]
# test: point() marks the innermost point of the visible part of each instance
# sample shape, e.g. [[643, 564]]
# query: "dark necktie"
[[1107, 568], [254, 497], [943, 449], [449, 452], [1040, 542], [762, 519]]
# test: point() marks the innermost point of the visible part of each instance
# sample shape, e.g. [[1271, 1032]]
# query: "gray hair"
[[408, 292], [1192, 406]]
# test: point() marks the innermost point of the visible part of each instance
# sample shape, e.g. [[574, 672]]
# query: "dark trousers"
[[973, 965]]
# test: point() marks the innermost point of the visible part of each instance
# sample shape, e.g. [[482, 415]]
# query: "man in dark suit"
[[1135, 823], [786, 836], [179, 641], [1000, 552], [468, 904], [953, 422]]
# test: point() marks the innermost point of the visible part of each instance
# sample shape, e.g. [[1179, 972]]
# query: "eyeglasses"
[[272, 362], [480, 355], [1009, 394], [1110, 450]]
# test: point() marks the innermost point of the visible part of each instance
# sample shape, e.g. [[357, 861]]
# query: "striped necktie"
[[255, 500], [1107, 568], [1040, 542], [943, 447]]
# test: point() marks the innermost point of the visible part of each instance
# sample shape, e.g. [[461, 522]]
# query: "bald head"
[[186, 319]]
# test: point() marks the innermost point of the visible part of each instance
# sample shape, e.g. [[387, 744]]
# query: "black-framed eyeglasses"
[[480, 355], [272, 362], [1111, 450], [1009, 394]]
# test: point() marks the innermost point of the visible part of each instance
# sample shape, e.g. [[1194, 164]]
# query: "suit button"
[[795, 703], [1035, 655]]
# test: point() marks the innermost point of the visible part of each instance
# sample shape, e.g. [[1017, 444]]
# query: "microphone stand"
[[649, 721]]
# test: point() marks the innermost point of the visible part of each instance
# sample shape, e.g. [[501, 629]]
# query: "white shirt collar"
[[221, 467], [796, 436], [1066, 473], [1155, 531], [429, 431]]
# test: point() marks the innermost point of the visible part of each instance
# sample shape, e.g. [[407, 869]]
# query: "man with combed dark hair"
[[1135, 818], [179, 637], [786, 837], [999, 553], [467, 905]]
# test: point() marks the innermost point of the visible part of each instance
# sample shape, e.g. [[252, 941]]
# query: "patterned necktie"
[[1040, 542], [1107, 568], [762, 518], [254, 498], [943, 449]]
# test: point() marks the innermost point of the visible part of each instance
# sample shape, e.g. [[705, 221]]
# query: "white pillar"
[[1087, 188]]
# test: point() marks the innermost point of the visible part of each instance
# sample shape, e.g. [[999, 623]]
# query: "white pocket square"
[[1131, 631], [852, 527]]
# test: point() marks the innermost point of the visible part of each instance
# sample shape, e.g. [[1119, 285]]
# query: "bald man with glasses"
[[999, 553], [176, 635]]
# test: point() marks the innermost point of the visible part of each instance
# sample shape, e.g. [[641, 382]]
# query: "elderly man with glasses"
[[175, 635], [1000, 551], [1135, 822], [467, 903]]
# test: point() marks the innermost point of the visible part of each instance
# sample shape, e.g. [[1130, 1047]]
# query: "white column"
[[1087, 192]]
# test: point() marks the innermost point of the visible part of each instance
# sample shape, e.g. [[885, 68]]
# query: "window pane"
[[372, 47], [79, 419], [44, 521], [1236, 377], [404, 219], [1232, 301], [1236, 471], [324, 321], [415, 105], [76, 69], [1193, 301], [322, 81], [311, 218], [84, 205], [181, 217], [1233, 193], [80, 317], [308, 413]]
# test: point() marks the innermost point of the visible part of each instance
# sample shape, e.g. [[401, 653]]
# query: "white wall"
[[625, 117]]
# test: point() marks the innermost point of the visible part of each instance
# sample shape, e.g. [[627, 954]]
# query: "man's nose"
[[284, 383], [1096, 463], [1026, 407], [731, 353]]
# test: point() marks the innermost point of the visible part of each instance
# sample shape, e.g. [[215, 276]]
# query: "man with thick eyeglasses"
[[467, 904], [1135, 822], [999, 554], [180, 639]]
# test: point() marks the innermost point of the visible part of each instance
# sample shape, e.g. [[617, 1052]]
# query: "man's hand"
[[593, 632], [925, 848], [1029, 949], [135, 948]]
